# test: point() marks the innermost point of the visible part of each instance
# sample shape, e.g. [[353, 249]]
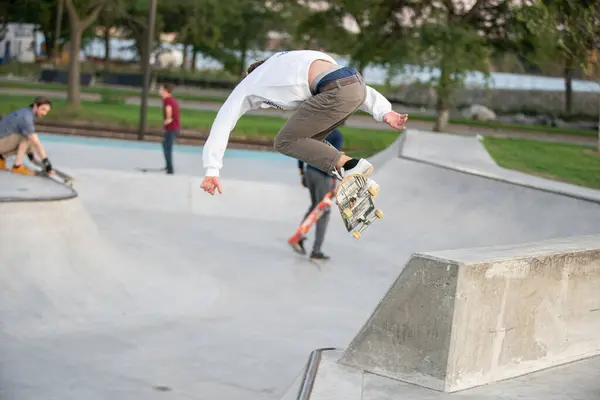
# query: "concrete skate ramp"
[[459, 319], [59, 274], [145, 287]]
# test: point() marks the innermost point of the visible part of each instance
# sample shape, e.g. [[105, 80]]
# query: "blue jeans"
[[168, 140]]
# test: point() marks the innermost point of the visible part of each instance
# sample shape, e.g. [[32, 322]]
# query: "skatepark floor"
[[145, 287]]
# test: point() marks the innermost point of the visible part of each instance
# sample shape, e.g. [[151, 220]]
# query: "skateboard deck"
[[58, 177], [311, 219], [65, 178], [151, 169], [356, 205]]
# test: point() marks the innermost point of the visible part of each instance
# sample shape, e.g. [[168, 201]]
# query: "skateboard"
[[59, 177], [311, 219], [356, 204], [151, 169], [65, 178]]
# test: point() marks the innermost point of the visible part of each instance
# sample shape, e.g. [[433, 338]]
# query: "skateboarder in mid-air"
[[323, 93]]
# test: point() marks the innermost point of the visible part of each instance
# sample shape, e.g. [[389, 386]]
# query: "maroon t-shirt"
[[174, 125]]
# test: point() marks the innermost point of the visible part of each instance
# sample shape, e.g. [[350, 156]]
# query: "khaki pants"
[[302, 136], [9, 144]]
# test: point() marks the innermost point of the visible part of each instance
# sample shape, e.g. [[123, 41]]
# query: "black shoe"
[[299, 247], [318, 256]]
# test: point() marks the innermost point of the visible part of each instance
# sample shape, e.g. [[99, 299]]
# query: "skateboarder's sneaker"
[[23, 170], [2, 163], [299, 247], [363, 167], [318, 256]]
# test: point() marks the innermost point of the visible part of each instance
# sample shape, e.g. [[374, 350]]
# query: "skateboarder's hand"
[[395, 120], [210, 184]]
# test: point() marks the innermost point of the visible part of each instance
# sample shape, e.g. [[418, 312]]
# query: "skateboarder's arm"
[[230, 112], [37, 145], [376, 104], [27, 128]]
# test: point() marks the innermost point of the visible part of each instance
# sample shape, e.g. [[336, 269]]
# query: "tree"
[[567, 31], [246, 28], [198, 25], [453, 38], [134, 20], [361, 29], [78, 24], [108, 18]]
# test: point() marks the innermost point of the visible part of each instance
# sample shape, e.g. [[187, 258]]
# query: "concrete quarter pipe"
[[143, 287]]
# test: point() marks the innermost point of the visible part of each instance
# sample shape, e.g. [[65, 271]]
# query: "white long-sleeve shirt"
[[280, 82]]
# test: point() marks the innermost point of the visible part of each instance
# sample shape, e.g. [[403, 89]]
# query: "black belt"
[[339, 82]]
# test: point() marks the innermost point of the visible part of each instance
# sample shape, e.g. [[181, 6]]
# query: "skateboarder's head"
[[41, 106], [166, 90], [255, 65]]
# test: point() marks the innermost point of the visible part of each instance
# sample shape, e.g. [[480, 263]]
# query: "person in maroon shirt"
[[171, 124]]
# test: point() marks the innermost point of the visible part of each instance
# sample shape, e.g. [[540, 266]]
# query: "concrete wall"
[[459, 319], [504, 101]]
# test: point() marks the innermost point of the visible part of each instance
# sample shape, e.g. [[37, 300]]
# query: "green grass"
[[363, 142], [219, 99], [562, 162], [105, 91]]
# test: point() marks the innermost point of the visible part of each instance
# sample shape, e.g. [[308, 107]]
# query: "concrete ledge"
[[459, 319]]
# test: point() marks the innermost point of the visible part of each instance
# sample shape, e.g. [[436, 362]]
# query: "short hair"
[[168, 87], [255, 65], [40, 101]]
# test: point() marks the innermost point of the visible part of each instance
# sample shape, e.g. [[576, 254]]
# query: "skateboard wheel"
[[379, 214], [356, 234], [347, 212], [373, 191]]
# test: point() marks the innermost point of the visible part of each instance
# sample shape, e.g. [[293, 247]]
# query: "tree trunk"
[[442, 115], [243, 57], [77, 26], [569, 86], [74, 70], [56, 46], [106, 45], [140, 46], [194, 58], [443, 101], [361, 67], [185, 55], [50, 50]]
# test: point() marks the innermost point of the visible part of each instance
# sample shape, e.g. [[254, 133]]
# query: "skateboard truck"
[[356, 204]]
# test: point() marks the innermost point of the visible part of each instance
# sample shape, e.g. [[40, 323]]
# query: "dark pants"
[[301, 137], [318, 185], [168, 141]]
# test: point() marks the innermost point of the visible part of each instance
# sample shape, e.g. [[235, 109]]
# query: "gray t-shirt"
[[19, 121]]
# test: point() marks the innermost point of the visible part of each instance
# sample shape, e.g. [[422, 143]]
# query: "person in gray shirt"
[[319, 184], [18, 137]]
